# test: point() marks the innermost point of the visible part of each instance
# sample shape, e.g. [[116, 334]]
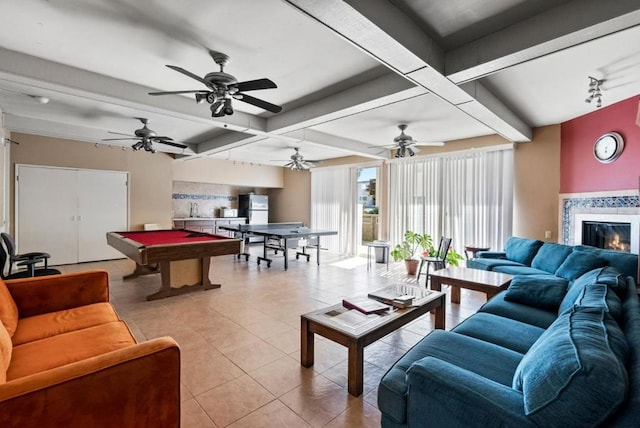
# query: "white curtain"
[[468, 197], [334, 195]]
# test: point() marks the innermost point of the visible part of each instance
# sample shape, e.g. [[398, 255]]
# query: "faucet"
[[193, 209]]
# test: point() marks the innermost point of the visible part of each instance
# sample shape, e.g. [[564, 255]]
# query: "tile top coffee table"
[[355, 330], [485, 281]]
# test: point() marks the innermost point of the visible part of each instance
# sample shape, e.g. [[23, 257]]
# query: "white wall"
[[218, 171]]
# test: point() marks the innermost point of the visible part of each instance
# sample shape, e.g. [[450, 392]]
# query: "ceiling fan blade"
[[254, 85], [190, 74], [312, 161], [260, 103], [162, 138], [430, 143], [121, 133], [194, 91], [119, 139], [171, 143]]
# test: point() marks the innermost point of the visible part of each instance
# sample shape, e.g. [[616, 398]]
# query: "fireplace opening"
[[607, 235]]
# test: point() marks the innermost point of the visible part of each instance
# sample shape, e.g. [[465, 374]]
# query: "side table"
[[473, 249]]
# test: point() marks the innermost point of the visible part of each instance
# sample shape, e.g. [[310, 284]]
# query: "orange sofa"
[[68, 360]]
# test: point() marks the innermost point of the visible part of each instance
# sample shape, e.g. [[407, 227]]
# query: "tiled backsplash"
[[623, 202], [209, 197]]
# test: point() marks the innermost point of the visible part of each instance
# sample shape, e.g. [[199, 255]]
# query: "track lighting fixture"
[[595, 91]]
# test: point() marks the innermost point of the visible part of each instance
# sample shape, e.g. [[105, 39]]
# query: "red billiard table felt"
[[161, 237]]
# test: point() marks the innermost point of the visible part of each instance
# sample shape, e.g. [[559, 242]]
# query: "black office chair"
[[438, 261], [29, 260]]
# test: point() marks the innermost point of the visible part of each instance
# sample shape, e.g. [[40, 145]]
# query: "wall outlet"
[[547, 234]]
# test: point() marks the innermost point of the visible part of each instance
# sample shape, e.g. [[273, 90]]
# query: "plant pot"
[[412, 266]]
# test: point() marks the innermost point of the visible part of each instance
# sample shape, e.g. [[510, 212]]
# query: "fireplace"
[[608, 235], [620, 232]]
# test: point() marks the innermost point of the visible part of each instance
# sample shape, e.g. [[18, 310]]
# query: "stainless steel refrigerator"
[[256, 209]]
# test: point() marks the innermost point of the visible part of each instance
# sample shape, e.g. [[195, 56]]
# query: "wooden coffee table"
[[356, 333], [490, 283]]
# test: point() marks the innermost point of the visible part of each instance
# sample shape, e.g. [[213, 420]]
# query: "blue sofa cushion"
[[550, 256], [517, 311], [614, 279], [575, 370], [522, 250], [626, 263], [600, 296], [575, 289], [486, 359], [520, 270], [541, 291], [505, 332], [579, 263], [490, 264]]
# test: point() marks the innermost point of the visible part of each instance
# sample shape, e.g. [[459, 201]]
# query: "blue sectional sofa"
[[559, 347], [523, 256]]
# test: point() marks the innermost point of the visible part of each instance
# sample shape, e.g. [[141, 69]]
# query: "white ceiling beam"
[[384, 32], [54, 129], [381, 91], [346, 145], [384, 90], [567, 25], [39, 73]]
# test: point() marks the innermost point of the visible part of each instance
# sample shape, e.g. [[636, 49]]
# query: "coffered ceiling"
[[348, 72]]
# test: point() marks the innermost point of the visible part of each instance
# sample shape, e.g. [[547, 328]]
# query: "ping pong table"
[[281, 237]]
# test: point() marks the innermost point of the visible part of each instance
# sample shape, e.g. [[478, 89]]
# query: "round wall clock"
[[608, 147]]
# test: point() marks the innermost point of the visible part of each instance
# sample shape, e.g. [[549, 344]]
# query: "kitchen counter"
[[207, 224]]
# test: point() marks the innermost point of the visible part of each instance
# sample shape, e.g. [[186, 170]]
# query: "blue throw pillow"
[[540, 291], [574, 374], [550, 256], [576, 287], [600, 296], [522, 250], [578, 263]]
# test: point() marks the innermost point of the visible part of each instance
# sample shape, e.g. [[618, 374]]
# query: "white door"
[[102, 208], [46, 212], [67, 212]]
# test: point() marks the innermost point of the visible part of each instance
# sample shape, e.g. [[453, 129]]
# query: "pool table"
[[181, 256]]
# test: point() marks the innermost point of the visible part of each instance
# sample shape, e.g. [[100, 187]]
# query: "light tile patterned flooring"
[[241, 343]]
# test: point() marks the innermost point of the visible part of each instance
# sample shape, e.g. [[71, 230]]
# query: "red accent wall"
[[579, 170]]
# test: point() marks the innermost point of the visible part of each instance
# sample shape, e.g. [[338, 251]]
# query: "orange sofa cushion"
[[5, 353], [8, 309], [51, 324], [44, 354]]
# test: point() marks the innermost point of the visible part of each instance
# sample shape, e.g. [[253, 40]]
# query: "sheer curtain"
[[334, 194], [468, 197]]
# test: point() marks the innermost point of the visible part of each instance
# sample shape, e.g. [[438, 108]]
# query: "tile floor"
[[241, 343]]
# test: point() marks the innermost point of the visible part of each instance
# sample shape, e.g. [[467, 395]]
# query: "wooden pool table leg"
[[167, 291], [143, 270]]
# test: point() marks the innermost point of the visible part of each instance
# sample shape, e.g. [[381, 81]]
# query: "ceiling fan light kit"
[[406, 145], [222, 88], [299, 163]]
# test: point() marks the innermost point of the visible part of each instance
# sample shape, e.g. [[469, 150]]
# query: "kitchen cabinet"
[[208, 224]]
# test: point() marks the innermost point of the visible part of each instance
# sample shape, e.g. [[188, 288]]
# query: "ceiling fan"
[[146, 137], [223, 87], [298, 162], [406, 145]]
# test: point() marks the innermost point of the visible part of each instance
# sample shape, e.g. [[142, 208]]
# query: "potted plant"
[[406, 250], [453, 257]]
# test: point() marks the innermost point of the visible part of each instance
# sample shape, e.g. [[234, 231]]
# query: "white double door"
[[67, 212]]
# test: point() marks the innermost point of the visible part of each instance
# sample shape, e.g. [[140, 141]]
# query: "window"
[[468, 197]]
